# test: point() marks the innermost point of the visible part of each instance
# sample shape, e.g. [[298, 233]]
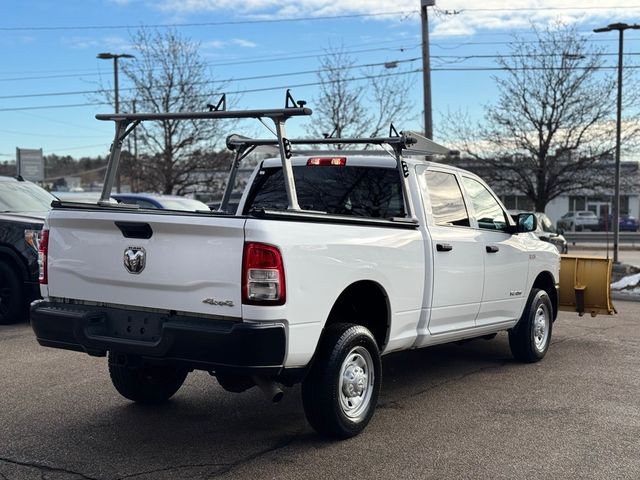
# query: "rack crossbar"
[[279, 113]]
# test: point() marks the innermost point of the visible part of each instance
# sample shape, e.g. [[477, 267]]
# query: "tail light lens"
[[43, 252], [262, 275], [32, 237]]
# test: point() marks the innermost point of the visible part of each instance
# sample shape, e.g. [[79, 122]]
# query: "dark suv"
[[23, 206]]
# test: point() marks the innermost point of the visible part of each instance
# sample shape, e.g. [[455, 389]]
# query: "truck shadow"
[[208, 430]]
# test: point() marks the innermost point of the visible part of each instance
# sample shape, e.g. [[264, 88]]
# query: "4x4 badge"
[[135, 259]]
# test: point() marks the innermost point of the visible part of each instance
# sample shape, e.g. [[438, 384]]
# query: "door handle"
[[492, 249], [443, 247]]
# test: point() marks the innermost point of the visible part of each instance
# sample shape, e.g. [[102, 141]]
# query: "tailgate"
[[192, 263]]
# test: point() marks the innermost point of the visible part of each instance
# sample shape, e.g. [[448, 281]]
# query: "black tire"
[[12, 304], [145, 384], [530, 338], [335, 409]]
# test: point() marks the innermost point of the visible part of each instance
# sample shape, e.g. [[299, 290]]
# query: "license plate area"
[[140, 326]]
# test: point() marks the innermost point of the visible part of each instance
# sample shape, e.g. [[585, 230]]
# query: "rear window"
[[355, 191]]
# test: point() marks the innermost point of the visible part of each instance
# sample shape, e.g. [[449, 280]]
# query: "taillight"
[[43, 252], [262, 275], [327, 162], [32, 237]]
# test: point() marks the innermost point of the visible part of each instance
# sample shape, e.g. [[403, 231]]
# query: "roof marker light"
[[327, 162]]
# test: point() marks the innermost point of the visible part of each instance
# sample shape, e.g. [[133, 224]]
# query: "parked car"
[[23, 207], [576, 221], [81, 197], [164, 202], [234, 201], [626, 223], [545, 231]]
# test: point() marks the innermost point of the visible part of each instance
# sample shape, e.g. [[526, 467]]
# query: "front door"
[[506, 258]]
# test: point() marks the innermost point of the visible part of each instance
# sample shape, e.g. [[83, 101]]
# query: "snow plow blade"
[[585, 285]]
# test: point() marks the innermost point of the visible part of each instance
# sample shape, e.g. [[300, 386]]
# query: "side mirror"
[[527, 222]]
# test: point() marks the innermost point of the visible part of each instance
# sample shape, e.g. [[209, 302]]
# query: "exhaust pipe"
[[270, 388]]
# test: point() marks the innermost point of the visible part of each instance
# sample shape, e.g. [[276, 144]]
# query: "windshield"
[[24, 197], [545, 224]]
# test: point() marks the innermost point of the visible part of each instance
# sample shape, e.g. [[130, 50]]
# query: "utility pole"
[[620, 27], [426, 68]]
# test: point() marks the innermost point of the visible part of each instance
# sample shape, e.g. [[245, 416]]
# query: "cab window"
[[447, 203], [488, 212]]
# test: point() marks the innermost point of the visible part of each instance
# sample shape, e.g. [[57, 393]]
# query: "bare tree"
[[168, 75], [357, 103], [552, 121]]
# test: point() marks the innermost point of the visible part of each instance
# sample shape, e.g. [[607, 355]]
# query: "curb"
[[616, 295]]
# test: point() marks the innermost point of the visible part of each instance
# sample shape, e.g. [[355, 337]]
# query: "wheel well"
[[544, 281], [9, 258], [364, 303]]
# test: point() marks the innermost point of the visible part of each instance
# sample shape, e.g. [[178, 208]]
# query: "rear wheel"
[[145, 384], [530, 338], [341, 391], [12, 305]]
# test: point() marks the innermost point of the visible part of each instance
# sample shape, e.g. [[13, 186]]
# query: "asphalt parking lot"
[[454, 411]]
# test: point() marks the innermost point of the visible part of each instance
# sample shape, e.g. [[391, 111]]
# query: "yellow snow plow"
[[585, 285]]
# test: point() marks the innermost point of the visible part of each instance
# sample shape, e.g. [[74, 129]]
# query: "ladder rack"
[[403, 143]]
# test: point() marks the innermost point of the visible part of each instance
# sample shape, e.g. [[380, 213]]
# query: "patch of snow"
[[626, 282]]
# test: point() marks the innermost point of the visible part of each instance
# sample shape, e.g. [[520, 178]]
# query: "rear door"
[[458, 262], [188, 263], [506, 259]]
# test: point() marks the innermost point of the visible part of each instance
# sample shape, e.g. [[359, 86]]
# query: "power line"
[[237, 92], [538, 9], [304, 19], [262, 59], [449, 58], [12, 132], [365, 77], [220, 64], [255, 77], [208, 24]]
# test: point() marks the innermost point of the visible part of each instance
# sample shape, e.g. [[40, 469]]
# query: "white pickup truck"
[[330, 261]]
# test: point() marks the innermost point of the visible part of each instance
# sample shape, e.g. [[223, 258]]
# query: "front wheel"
[[530, 338], [341, 391], [145, 384]]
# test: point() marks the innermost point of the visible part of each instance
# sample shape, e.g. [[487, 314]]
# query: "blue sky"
[[48, 50]]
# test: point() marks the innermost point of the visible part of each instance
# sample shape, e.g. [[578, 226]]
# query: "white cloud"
[[237, 42], [473, 16], [80, 42], [103, 43], [243, 43]]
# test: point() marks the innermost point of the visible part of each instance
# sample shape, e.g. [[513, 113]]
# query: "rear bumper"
[[205, 344]]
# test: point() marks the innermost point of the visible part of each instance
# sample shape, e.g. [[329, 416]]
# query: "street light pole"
[[115, 57], [426, 68], [620, 27]]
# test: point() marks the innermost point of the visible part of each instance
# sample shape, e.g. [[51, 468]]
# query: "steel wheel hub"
[[356, 383], [541, 328]]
